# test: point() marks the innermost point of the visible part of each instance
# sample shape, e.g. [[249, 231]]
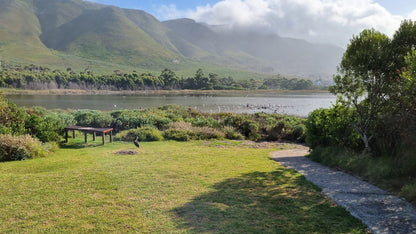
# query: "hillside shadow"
[[276, 202]]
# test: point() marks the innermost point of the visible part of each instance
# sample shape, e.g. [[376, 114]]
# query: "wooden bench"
[[87, 130]]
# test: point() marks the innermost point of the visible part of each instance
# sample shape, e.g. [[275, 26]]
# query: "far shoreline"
[[69, 92]]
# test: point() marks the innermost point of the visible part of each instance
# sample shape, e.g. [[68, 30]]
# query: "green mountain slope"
[[107, 34], [82, 34], [20, 31]]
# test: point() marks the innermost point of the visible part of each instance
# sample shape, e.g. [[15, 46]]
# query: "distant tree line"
[[37, 77]]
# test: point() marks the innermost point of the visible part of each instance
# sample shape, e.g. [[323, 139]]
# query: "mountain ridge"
[[76, 33]]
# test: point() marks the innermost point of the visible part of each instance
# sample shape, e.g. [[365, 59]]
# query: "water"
[[292, 104]]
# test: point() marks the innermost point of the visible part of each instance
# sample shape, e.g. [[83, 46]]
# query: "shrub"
[[12, 118], [92, 118], [144, 134], [47, 125], [182, 131], [178, 135], [204, 122], [298, 133], [329, 127], [409, 192], [14, 148], [206, 133], [232, 134], [162, 123]]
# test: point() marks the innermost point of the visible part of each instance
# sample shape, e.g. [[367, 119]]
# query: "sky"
[[319, 21]]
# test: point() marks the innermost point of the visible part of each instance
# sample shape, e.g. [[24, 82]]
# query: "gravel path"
[[380, 211]]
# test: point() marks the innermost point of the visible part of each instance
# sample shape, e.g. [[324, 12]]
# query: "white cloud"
[[166, 12], [412, 15], [326, 21]]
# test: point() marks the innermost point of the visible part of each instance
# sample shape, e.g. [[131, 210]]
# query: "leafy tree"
[[363, 80], [169, 78], [202, 82], [402, 43]]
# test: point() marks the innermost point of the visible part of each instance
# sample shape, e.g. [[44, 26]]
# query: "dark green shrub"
[[409, 192], [47, 126], [178, 135], [182, 131], [332, 127], [12, 118], [92, 118], [250, 129], [234, 120], [206, 133], [128, 119], [144, 134], [232, 134], [162, 123], [176, 112], [298, 133], [204, 122]]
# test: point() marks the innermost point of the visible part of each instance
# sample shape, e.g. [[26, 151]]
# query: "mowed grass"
[[168, 187]]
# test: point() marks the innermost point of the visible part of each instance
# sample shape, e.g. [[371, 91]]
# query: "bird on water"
[[136, 142]]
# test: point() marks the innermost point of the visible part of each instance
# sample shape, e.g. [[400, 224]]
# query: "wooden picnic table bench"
[[87, 130]]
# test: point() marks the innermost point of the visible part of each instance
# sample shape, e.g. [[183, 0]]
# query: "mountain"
[[260, 52], [63, 33]]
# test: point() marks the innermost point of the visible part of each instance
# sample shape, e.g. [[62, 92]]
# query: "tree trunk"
[[364, 137], [366, 141]]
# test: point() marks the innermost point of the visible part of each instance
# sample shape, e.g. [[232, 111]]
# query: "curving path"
[[380, 211]]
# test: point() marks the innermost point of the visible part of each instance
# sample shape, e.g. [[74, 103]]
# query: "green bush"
[[178, 135], [232, 134], [92, 118], [299, 133], [409, 192], [204, 122], [332, 127], [15, 148], [46, 125], [206, 133], [162, 123], [182, 131], [144, 134], [12, 118]]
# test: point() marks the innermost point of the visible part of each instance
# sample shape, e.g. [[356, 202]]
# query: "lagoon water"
[[292, 104]]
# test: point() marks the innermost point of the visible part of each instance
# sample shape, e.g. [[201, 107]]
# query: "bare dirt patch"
[[126, 152], [255, 145], [297, 152]]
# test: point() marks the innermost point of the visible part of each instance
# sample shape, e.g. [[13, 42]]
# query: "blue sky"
[[399, 7], [324, 21]]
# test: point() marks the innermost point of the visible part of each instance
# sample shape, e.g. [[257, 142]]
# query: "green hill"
[[81, 34]]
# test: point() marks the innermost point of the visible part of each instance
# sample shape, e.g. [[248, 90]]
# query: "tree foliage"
[[375, 80], [36, 77]]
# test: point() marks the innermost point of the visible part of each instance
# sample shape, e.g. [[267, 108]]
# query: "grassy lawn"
[[168, 187]]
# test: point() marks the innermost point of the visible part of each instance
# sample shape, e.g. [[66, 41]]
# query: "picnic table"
[[87, 130]]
